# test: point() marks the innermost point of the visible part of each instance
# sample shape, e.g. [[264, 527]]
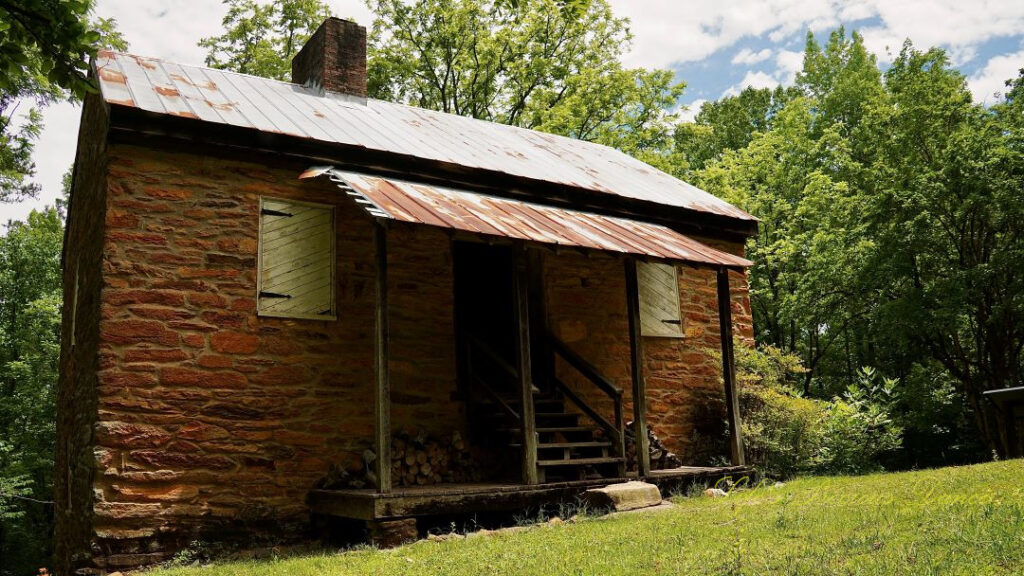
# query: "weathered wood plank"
[[729, 367], [528, 420], [636, 357], [659, 300], [382, 391]]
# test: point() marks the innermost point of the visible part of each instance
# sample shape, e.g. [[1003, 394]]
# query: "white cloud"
[[992, 78], [689, 111], [789, 62], [669, 31], [749, 57], [753, 79]]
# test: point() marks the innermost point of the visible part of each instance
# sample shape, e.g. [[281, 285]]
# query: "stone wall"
[[76, 395], [186, 416], [211, 418], [586, 302]]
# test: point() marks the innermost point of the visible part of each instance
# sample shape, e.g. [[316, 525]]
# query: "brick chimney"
[[333, 59]]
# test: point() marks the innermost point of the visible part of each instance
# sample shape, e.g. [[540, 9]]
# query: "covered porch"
[[561, 418]]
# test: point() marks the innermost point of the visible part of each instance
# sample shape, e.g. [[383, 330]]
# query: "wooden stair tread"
[[543, 445], [581, 461], [544, 429]]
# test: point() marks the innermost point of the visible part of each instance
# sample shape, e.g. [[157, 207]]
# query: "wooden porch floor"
[[441, 499]]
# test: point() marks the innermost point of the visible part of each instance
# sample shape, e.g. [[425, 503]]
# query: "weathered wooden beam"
[[382, 390], [636, 356], [732, 402], [543, 361], [529, 421]]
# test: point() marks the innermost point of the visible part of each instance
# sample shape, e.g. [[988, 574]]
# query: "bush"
[[785, 434]]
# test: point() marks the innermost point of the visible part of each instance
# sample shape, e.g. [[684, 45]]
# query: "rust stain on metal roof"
[[468, 144], [145, 63], [164, 91], [223, 107], [468, 211], [108, 75]]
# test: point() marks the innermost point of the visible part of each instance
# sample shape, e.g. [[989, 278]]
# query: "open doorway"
[[485, 310]]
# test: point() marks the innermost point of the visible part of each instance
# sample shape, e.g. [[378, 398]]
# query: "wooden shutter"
[[296, 267], [659, 300]]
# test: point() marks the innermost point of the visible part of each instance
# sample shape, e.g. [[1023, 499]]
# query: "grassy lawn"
[[966, 520]]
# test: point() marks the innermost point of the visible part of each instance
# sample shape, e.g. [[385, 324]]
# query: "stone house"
[[271, 285]]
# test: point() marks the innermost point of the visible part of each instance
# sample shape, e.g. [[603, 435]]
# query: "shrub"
[[785, 434]]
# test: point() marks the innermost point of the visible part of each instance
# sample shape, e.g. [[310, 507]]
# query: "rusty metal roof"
[[229, 98], [493, 216]]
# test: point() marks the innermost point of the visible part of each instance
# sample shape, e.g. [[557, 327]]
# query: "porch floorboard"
[[440, 499]]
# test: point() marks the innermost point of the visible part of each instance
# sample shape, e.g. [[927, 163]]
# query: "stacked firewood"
[[661, 457], [420, 460], [416, 460]]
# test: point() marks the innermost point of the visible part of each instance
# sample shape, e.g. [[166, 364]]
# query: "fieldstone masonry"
[[184, 415]]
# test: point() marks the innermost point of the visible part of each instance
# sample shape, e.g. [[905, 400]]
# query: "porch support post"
[[542, 360], [528, 426], [729, 367], [382, 390], [636, 355]]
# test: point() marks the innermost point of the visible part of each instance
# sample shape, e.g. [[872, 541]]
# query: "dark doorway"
[[485, 309]]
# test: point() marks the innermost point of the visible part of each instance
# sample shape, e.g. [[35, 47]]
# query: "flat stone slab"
[[624, 496]]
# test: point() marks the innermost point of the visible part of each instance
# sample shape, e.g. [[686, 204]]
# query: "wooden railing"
[[478, 350], [616, 429]]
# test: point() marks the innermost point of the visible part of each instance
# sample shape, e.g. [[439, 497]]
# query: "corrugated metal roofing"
[[272, 106], [489, 215]]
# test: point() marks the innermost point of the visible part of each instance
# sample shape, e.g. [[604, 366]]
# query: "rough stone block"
[[391, 533], [624, 496]]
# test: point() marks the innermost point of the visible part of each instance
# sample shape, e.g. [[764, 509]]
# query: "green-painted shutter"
[[659, 300], [296, 259]]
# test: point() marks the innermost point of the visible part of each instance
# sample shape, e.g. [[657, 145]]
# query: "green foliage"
[[30, 308], [728, 124], [44, 48], [891, 231], [262, 38], [543, 64], [786, 434]]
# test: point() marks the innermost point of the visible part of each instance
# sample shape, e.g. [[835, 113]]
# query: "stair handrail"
[[588, 370], [616, 429], [477, 344]]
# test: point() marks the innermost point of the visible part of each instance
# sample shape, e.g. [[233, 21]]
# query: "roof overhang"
[[467, 211], [1006, 395]]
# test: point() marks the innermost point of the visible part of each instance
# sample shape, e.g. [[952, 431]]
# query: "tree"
[[261, 39], [948, 215], [30, 304], [729, 124], [543, 64], [44, 47]]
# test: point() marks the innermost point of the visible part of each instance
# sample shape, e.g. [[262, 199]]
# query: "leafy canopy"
[[262, 38], [44, 50]]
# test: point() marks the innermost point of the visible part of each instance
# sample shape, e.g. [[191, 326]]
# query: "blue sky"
[[717, 47]]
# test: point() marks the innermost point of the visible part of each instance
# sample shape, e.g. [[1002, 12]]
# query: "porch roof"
[[468, 211]]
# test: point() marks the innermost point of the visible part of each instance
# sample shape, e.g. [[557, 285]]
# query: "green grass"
[[965, 520]]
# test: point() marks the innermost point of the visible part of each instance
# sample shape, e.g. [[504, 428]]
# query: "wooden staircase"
[[568, 448], [578, 444]]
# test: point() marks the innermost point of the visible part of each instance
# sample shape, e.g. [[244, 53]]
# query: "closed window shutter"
[[659, 300], [296, 259]]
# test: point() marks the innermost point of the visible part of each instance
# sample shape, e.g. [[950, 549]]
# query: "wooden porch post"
[[542, 361], [528, 425], [729, 367], [636, 355], [382, 390]]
